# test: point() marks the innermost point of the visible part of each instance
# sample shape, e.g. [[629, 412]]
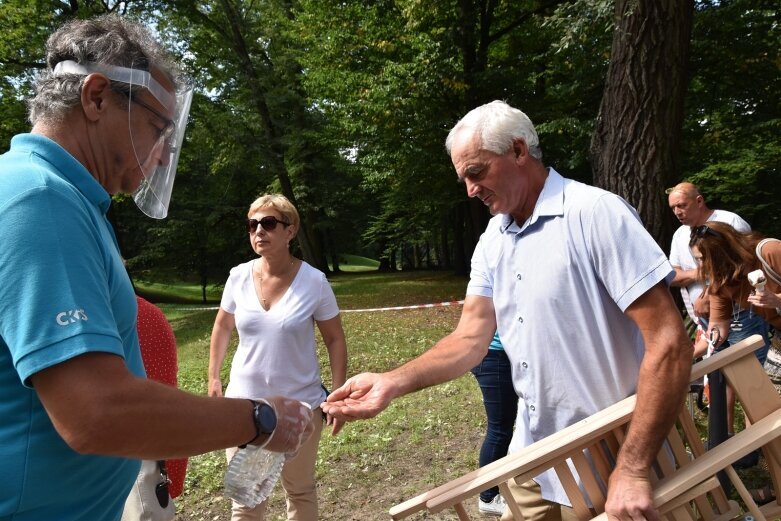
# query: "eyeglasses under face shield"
[[159, 163]]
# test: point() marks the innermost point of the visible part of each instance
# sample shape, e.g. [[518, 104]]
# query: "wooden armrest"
[[544, 454], [535, 458], [538, 456], [716, 459], [722, 358]]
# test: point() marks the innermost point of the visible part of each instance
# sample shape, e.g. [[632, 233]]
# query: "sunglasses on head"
[[269, 223], [702, 231]]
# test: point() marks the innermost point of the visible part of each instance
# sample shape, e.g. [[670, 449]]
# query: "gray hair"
[[108, 39], [497, 124]]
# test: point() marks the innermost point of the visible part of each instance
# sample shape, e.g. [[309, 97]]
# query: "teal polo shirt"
[[63, 292]]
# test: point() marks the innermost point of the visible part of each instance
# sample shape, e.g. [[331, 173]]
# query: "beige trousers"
[[298, 480], [533, 507]]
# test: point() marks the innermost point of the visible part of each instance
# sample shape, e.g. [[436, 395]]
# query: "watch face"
[[266, 418]]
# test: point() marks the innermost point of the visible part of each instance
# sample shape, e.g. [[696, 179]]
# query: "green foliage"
[[731, 142], [352, 102]]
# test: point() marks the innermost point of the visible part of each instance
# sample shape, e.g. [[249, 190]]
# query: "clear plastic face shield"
[[157, 163]]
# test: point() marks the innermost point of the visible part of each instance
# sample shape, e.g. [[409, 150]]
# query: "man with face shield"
[[108, 116], [157, 159]]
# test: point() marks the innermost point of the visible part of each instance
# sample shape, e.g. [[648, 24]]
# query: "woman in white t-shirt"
[[274, 301]]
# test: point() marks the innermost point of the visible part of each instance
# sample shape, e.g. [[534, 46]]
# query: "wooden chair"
[[684, 475]]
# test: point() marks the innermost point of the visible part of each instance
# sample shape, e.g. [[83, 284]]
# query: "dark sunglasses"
[[701, 231], [161, 489], [269, 223]]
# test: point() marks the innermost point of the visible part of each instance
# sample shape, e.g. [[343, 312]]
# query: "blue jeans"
[[744, 324], [501, 406]]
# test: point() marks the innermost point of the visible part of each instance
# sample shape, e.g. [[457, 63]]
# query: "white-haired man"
[[577, 289]]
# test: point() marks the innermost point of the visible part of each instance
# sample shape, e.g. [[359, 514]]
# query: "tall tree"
[[635, 146], [242, 48], [731, 146]]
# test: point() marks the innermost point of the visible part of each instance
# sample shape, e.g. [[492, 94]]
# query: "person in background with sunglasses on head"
[[273, 301], [689, 207], [726, 257], [78, 413]]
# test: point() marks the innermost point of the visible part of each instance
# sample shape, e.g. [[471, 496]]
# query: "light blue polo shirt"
[[560, 284], [63, 292]]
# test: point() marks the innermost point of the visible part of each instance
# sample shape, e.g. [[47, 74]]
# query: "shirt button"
[[531, 407], [520, 319], [525, 365], [519, 277]]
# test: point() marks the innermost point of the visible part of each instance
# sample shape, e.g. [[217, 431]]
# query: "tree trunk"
[[333, 252], [444, 248], [460, 259], [311, 248], [634, 149]]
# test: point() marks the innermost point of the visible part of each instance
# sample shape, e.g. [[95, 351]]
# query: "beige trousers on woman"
[[298, 480]]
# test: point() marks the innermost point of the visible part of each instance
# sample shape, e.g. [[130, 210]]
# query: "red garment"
[[158, 351]]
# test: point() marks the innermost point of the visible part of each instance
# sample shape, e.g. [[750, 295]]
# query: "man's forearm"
[[685, 278], [448, 359], [661, 390]]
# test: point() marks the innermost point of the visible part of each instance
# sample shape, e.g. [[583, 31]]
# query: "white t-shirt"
[[681, 255], [277, 350]]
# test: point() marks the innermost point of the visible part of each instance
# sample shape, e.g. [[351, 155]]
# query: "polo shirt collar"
[[550, 203], [65, 166]]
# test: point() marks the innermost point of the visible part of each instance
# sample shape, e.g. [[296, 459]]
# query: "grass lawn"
[[420, 441], [355, 263]]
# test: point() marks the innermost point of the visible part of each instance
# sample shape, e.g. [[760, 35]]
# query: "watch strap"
[[257, 428]]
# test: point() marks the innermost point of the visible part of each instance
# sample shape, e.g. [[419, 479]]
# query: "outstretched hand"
[[362, 396]]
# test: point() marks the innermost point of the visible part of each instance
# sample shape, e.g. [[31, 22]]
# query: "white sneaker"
[[495, 507]]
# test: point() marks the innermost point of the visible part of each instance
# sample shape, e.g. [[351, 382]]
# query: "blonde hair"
[[281, 204]]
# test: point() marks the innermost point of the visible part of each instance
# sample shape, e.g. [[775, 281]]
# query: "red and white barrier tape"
[[394, 308]]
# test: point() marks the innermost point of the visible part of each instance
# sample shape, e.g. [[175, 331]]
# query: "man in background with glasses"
[[689, 207], [108, 116]]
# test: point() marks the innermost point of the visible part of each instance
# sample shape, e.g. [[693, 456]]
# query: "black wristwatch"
[[265, 419]]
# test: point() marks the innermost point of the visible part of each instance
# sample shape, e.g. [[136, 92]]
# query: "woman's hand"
[[336, 425], [700, 346], [215, 387], [701, 305], [765, 299]]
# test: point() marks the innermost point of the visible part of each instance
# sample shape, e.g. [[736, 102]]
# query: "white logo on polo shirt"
[[69, 317]]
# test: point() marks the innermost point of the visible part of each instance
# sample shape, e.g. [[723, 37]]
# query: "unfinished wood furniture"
[[685, 483]]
